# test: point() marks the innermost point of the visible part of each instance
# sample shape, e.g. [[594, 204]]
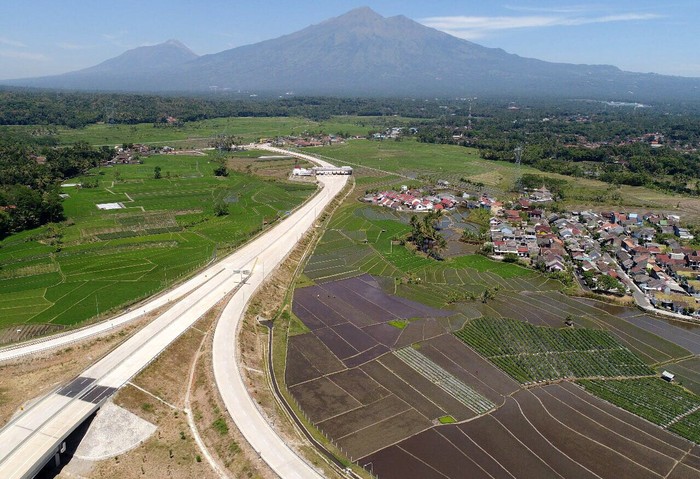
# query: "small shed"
[[667, 376]]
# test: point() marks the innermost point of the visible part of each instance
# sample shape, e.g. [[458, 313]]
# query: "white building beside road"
[[332, 170], [302, 172]]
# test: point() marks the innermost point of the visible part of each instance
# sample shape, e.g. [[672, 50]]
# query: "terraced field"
[[547, 431], [687, 372], [365, 239], [470, 394], [653, 340], [200, 133], [101, 260]]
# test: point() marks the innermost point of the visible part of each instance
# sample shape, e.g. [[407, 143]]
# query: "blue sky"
[[42, 37]]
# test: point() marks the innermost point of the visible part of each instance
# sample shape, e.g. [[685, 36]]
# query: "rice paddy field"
[[657, 401], [198, 133], [496, 387], [399, 362], [365, 239], [158, 231], [541, 353]]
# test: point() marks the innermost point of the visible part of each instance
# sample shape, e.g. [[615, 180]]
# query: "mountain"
[[164, 55], [362, 53], [132, 70]]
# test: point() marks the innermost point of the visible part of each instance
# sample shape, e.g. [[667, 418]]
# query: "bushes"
[[220, 426], [221, 208], [221, 170]]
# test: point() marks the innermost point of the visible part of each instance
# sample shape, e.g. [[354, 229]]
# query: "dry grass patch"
[[172, 451], [279, 168], [216, 428], [169, 453], [168, 376]]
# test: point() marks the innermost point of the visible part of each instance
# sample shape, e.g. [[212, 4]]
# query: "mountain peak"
[[361, 15], [150, 57], [178, 44], [362, 12]]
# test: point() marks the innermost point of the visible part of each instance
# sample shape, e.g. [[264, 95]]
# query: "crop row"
[[535, 353], [688, 427], [508, 336], [662, 403], [445, 380], [578, 364]]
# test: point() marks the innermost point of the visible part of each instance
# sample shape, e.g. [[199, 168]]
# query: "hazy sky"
[[42, 37]]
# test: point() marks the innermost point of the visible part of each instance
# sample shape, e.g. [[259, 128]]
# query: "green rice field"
[[450, 162], [198, 133], [101, 260]]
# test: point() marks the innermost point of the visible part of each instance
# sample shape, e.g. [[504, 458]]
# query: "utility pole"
[[518, 157], [469, 118]]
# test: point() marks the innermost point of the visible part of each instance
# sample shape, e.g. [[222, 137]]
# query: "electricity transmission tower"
[[110, 113], [518, 171]]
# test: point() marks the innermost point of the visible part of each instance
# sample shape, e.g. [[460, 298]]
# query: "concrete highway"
[[226, 350], [33, 437]]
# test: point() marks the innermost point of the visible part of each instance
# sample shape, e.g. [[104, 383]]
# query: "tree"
[[156, 173], [52, 207], [510, 258], [470, 236], [221, 170], [425, 235], [608, 283], [487, 295], [5, 223], [487, 249], [225, 142], [221, 208]]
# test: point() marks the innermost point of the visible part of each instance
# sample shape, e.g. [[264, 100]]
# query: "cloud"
[[470, 27], [115, 36], [11, 43], [73, 46], [622, 17], [569, 9], [118, 39], [39, 57]]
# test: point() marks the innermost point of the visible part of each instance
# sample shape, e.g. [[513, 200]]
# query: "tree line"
[[653, 146], [78, 109]]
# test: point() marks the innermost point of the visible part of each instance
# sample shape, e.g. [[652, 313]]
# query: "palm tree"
[[487, 295], [424, 234]]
